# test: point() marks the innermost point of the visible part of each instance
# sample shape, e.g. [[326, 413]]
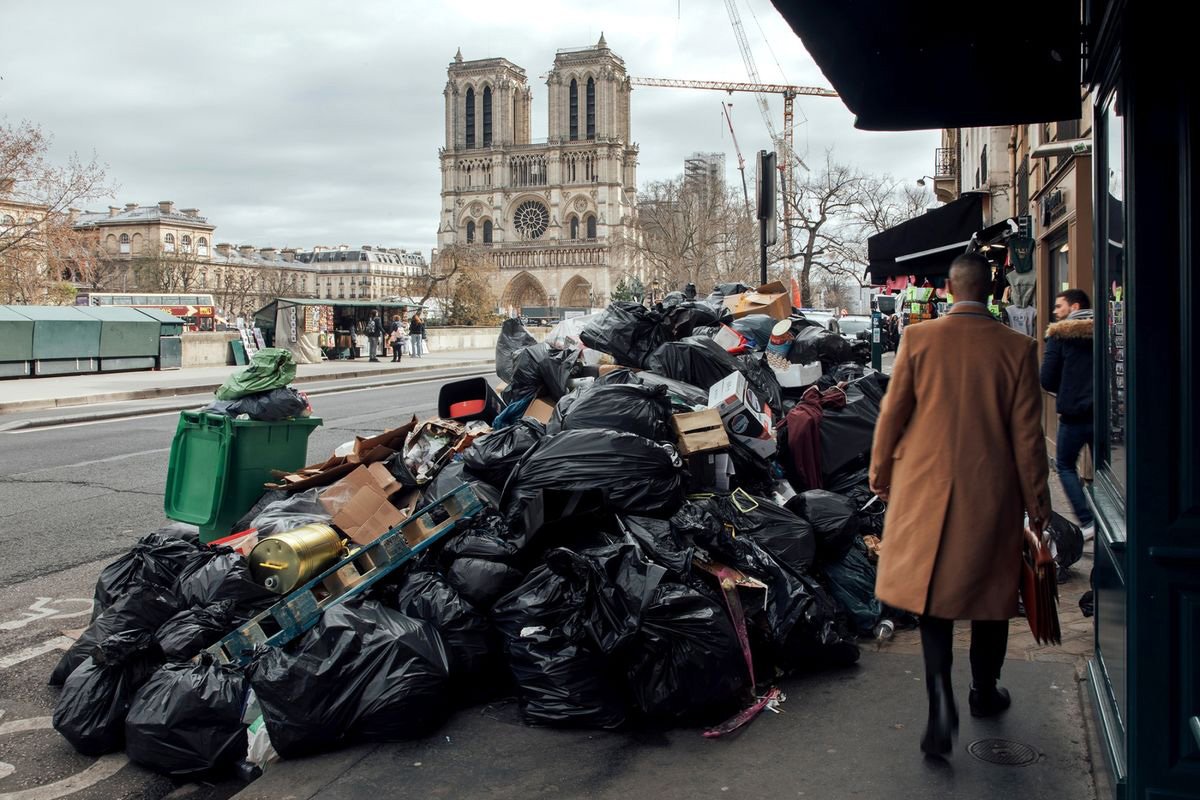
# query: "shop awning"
[[925, 245], [909, 66]]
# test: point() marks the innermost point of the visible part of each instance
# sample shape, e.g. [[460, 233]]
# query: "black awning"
[[915, 65], [925, 245]]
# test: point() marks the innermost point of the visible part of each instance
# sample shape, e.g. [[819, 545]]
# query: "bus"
[[198, 311]]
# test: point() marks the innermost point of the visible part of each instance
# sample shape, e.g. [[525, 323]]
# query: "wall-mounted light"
[[1064, 248]]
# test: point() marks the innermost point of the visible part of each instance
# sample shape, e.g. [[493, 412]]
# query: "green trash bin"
[[218, 466]]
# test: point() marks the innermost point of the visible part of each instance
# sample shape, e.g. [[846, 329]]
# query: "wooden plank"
[[700, 432]]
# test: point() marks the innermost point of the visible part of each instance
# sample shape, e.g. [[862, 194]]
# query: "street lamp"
[[921, 180]]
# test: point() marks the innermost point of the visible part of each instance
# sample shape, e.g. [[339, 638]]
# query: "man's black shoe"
[[988, 702]]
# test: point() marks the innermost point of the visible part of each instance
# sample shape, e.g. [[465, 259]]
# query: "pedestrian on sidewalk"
[[395, 337], [959, 453], [374, 331], [416, 334], [1067, 374]]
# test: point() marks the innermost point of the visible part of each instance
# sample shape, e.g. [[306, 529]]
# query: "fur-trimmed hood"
[[1071, 329]]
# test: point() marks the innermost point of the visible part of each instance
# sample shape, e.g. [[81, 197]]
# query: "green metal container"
[[170, 352], [218, 466], [125, 332], [16, 343], [63, 332], [171, 325]]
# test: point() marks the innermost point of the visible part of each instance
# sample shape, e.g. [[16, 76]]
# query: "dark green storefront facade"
[[902, 66]]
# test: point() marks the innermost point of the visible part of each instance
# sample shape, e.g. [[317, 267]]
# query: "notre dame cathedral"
[[551, 214]]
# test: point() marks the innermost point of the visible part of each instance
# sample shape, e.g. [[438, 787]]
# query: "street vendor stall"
[[316, 329]]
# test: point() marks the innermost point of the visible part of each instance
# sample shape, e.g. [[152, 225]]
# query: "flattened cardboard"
[[360, 506], [771, 299], [541, 410], [333, 469]]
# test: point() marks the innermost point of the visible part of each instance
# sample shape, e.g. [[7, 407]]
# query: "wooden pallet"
[[300, 610]]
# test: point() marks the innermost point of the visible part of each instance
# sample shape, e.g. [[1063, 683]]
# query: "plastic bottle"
[[884, 630]]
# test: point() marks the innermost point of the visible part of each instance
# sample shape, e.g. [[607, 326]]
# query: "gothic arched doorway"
[[576, 293], [522, 291]]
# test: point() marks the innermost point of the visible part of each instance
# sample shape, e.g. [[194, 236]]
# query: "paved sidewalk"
[[28, 394]]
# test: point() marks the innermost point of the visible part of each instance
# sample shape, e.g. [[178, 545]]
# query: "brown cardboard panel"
[[360, 506], [541, 410], [366, 451], [771, 299]]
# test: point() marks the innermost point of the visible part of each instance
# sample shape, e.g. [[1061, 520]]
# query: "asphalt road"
[[72, 497]]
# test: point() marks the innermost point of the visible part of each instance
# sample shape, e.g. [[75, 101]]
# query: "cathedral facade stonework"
[[550, 215]]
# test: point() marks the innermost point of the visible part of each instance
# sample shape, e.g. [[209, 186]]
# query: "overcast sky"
[[294, 123]]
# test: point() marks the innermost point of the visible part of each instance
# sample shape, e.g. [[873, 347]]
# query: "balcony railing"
[[945, 163]]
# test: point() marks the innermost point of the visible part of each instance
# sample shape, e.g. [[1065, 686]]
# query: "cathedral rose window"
[[531, 219]]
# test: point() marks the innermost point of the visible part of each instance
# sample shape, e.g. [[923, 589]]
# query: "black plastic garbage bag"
[[643, 410], [223, 575], [626, 331], [723, 290], [756, 327], [800, 622], [845, 373], [847, 433], [617, 377], [186, 721], [583, 472], [788, 538], [686, 662], [513, 338], [870, 511], [427, 596], [184, 635], [1068, 539], [660, 544], [492, 457], [90, 711], [141, 610], [291, 512], [156, 559], [560, 625], [695, 360], [271, 406], [481, 564], [852, 583], [684, 318], [684, 396], [366, 672], [540, 369], [835, 520]]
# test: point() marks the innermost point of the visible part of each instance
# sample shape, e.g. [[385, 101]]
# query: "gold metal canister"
[[283, 561]]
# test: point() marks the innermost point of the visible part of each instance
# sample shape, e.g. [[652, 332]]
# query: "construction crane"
[[783, 145], [741, 161]]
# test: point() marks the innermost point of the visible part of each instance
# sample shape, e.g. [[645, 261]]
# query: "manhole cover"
[[1003, 751]]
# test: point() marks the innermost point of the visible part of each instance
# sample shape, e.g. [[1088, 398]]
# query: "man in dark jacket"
[[1067, 372]]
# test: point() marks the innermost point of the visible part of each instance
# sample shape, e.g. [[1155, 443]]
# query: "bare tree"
[[691, 232], [459, 281], [40, 242], [834, 211], [160, 270]]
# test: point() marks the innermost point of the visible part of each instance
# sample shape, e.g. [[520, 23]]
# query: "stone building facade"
[[551, 216]]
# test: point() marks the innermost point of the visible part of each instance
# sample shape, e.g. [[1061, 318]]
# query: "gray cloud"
[[304, 122]]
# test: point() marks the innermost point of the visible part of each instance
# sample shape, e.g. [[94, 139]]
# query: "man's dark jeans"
[[1072, 436]]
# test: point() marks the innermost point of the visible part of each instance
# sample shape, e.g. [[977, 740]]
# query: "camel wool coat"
[[959, 444]]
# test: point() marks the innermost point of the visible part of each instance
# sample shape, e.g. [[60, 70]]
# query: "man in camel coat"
[[959, 454]]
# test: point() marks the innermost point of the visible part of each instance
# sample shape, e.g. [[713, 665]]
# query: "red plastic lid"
[[466, 408]]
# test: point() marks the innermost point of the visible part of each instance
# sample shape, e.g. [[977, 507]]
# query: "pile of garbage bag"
[[642, 552], [261, 391]]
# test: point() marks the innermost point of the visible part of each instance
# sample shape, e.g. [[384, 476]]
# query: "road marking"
[[121, 457], [48, 646], [41, 609], [104, 768], [466, 372]]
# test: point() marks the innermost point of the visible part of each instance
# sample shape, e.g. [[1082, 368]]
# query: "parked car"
[[826, 318], [856, 327]]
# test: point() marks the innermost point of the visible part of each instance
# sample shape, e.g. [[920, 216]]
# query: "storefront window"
[[1111, 290], [1060, 264]]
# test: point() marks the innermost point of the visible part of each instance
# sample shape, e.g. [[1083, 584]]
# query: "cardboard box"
[[798, 375], [772, 299], [730, 339], [360, 503], [540, 409], [700, 432], [328, 472], [745, 417]]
